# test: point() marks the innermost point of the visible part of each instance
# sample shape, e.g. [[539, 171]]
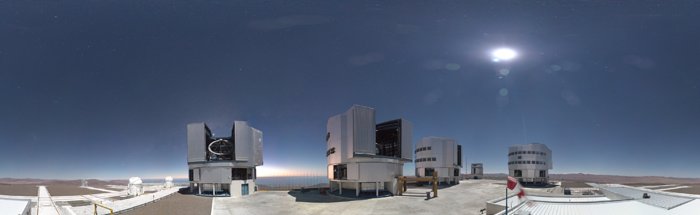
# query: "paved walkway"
[[100, 189], [45, 205], [124, 204]]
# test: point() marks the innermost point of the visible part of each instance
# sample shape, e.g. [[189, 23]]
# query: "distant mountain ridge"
[[578, 177], [91, 182], [619, 179]]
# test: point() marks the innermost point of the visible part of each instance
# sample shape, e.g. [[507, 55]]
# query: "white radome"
[[135, 180], [135, 186], [168, 182]]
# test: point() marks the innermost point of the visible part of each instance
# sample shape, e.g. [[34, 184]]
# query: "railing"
[[105, 207]]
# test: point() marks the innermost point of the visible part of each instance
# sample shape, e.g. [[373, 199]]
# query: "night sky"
[[104, 89]]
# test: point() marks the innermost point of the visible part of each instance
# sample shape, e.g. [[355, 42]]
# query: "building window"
[[517, 173], [191, 175], [330, 151], [328, 136], [340, 172], [429, 171], [543, 173], [388, 138], [241, 174], [459, 155]]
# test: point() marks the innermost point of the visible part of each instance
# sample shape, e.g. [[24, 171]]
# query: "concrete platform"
[[468, 197]]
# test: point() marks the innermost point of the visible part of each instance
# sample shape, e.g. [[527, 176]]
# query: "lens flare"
[[503, 54]]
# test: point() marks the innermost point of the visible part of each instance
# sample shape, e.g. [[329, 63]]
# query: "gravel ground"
[[55, 190], [177, 203]]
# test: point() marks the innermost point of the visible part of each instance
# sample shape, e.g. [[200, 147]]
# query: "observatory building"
[[439, 154], [477, 170], [223, 165], [365, 156], [530, 163]]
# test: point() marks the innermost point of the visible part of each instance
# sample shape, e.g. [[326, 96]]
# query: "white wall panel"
[[335, 138], [353, 171], [243, 135]]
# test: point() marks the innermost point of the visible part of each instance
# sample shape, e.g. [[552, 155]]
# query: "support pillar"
[[376, 188], [213, 189], [340, 185], [199, 186], [357, 189]]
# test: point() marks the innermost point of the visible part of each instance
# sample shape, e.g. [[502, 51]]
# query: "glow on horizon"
[[273, 171]]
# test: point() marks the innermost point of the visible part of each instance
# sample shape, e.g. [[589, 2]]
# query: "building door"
[[517, 173], [244, 189], [429, 172]]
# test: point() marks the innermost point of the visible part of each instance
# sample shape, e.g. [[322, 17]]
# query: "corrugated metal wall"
[[364, 130]]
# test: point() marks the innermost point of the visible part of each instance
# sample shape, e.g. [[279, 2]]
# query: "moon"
[[503, 54]]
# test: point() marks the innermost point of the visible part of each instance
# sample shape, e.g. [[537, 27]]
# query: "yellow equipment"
[[402, 180], [105, 207]]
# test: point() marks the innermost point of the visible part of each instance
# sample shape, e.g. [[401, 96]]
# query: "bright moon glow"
[[503, 54]]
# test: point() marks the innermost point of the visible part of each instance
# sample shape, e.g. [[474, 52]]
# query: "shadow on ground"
[[314, 195]]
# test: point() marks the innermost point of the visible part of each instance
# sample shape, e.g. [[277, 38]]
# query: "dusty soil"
[[18, 189], [69, 190], [54, 190], [177, 203], [643, 184], [693, 189]]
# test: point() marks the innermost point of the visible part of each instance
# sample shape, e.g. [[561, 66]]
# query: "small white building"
[[530, 163], [223, 165], [439, 154], [363, 155]]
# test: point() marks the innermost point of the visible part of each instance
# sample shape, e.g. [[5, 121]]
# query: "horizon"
[[607, 90], [273, 176]]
